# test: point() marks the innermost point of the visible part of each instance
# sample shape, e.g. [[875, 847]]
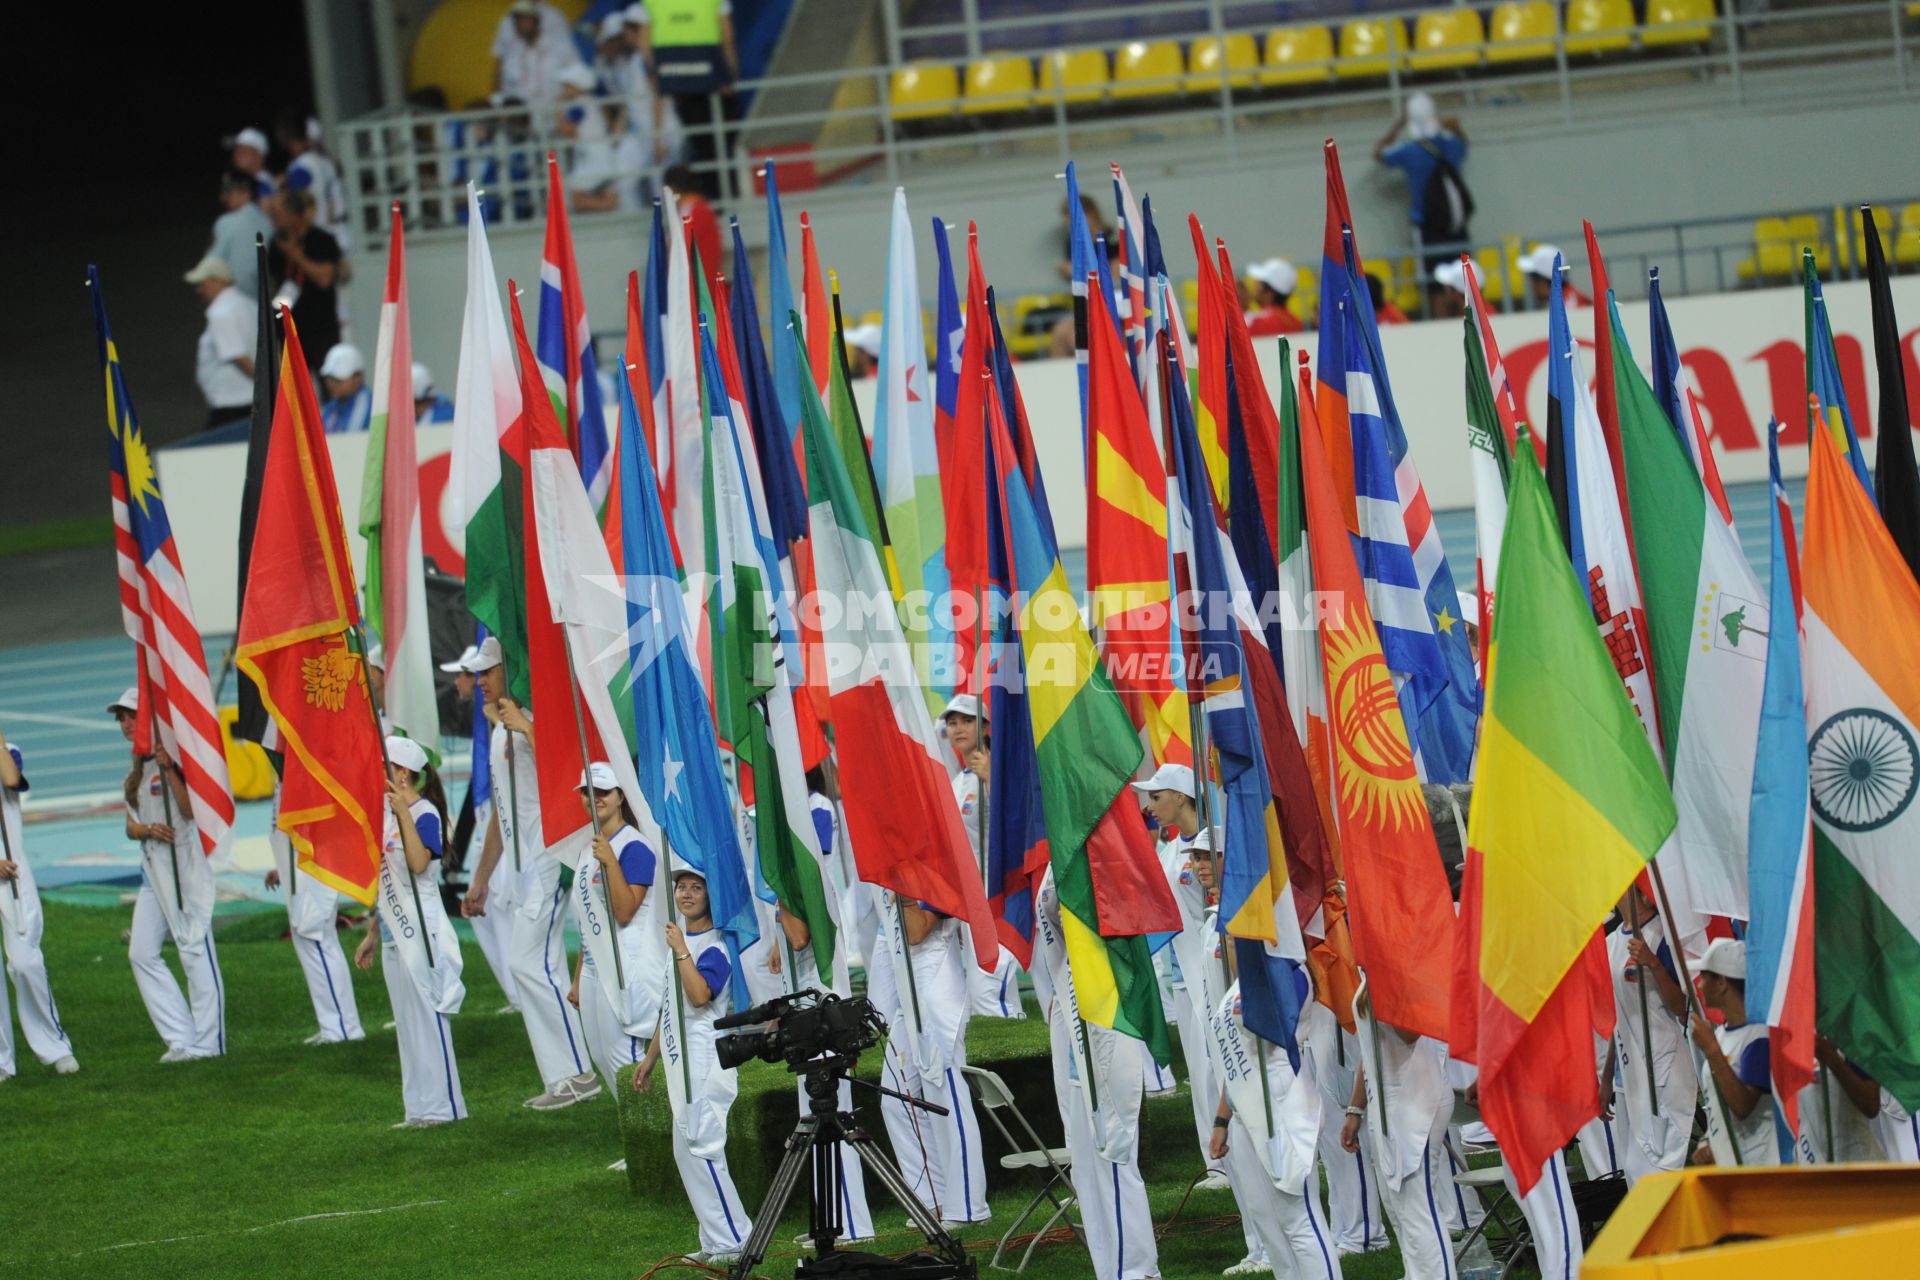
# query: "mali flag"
[[1570, 806]]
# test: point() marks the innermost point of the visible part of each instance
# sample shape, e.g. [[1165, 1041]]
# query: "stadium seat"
[[1599, 26], [1776, 248], [1365, 44], [1493, 274], [1305, 301], [1523, 32], [1203, 63], [997, 84], [1080, 75], [1298, 55], [1034, 315], [1850, 238], [1190, 304], [924, 91], [1906, 244], [1446, 39], [1406, 285], [1677, 22], [1147, 70]]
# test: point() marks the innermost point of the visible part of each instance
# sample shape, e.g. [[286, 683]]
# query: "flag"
[[1400, 909], [253, 724], [850, 439], [1130, 300], [1823, 376], [567, 365], [297, 641], [1707, 628], [776, 472], [821, 342], [1780, 978], [901, 818], [653, 330], [1605, 395], [486, 481], [1896, 482], [948, 335], [685, 442], [1862, 672], [390, 519], [157, 609], [786, 364], [964, 492], [1569, 807], [1340, 277], [1676, 395], [1210, 354], [1492, 431]]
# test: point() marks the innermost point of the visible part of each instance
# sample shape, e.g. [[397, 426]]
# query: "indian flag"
[[1862, 632], [1707, 625]]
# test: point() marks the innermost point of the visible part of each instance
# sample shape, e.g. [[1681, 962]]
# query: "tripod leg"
[[798, 1157], [891, 1177]]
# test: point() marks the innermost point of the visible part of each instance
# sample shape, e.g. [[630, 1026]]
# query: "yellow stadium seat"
[[924, 91], [1203, 63], [1079, 76], [1034, 315], [1147, 70], [1365, 44], [249, 773], [1405, 286], [998, 84], [1776, 248], [1850, 237], [1599, 26], [1444, 39], [1298, 55], [1677, 22], [1523, 31], [1190, 304], [1906, 245], [1305, 300], [1493, 274]]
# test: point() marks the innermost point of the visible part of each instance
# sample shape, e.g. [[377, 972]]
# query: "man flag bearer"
[[993, 992]]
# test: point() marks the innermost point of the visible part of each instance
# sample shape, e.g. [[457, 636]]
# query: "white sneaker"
[[1250, 1266], [1214, 1181], [418, 1123], [317, 1038], [509, 1007], [176, 1055], [66, 1066], [386, 1026], [619, 1166], [719, 1258], [564, 1093], [5, 1076]]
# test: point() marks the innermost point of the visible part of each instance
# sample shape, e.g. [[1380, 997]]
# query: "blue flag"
[[786, 368], [1666, 365]]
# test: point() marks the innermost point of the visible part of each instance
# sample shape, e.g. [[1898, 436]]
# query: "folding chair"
[[1030, 1152]]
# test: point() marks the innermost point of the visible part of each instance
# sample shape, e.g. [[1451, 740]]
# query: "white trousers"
[[1288, 1227], [429, 1075], [940, 1156], [1426, 1251], [1459, 1206], [199, 1028], [494, 932], [39, 1019], [539, 965], [610, 1047], [996, 994], [1548, 1209], [724, 1225], [1603, 1146], [1353, 1189], [329, 980], [1112, 1199]]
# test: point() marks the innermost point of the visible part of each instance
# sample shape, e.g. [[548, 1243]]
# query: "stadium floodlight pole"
[[593, 823], [380, 733]]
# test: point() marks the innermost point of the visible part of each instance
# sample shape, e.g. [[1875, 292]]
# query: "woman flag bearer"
[[615, 871], [700, 1090], [20, 926], [493, 930], [176, 900], [312, 909], [419, 951], [1658, 1114]]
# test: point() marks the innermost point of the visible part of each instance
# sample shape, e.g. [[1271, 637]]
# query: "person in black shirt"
[[307, 257]]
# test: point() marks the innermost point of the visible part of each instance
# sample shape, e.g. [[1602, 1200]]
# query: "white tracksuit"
[[994, 994], [1410, 1082], [1354, 1216], [493, 928], [1825, 1105], [21, 925], [1550, 1215], [702, 1157], [616, 1036], [312, 909], [198, 1028], [422, 994], [1649, 1143]]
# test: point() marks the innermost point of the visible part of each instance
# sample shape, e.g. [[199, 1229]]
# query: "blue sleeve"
[[1753, 1068], [20, 763], [636, 862], [1401, 157], [715, 968], [1665, 956], [1454, 148], [428, 825], [298, 179], [936, 912], [823, 827]]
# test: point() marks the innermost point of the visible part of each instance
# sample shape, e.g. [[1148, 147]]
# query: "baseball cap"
[[524, 9], [406, 753], [343, 361], [1454, 277], [467, 655], [1726, 957], [250, 137], [1168, 777], [485, 658], [600, 775], [636, 15], [422, 381], [1539, 261], [580, 76], [613, 26], [962, 704], [1202, 841], [866, 337], [1277, 274], [1469, 602], [683, 870], [211, 267], [128, 701]]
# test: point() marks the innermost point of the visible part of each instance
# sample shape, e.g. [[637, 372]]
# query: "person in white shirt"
[[223, 361], [1737, 1056], [247, 151], [533, 46], [1839, 1111], [594, 180], [312, 913], [993, 994], [312, 170], [1658, 1115], [493, 930], [349, 403], [615, 875], [650, 118], [239, 230], [20, 931]]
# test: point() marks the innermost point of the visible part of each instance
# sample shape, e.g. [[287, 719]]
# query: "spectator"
[[1431, 157], [430, 408], [223, 364], [1096, 227], [863, 349], [1273, 284], [1384, 312], [626, 72], [696, 62], [247, 152], [349, 404], [1538, 269], [312, 170], [305, 264], [234, 231], [1447, 291], [533, 46], [592, 177], [701, 222]]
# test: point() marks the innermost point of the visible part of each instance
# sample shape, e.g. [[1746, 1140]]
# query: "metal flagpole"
[[513, 801], [593, 822], [413, 883], [673, 967], [1674, 935], [1646, 1020]]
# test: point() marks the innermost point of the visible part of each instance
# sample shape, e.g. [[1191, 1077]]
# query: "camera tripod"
[[815, 1144]]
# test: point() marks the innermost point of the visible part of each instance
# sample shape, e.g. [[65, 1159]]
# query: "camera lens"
[[741, 1046]]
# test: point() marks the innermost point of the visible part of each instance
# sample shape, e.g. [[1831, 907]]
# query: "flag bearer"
[[617, 869], [20, 926], [1639, 952], [994, 994], [1736, 1053], [312, 910]]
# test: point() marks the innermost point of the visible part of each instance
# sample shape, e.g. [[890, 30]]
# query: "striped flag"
[[1492, 425], [1130, 301], [1682, 408], [156, 608], [1823, 377], [820, 339], [565, 350]]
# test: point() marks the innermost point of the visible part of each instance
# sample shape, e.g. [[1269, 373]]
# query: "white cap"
[[636, 15], [467, 655], [1453, 277], [128, 701], [485, 658], [1277, 274], [600, 775], [422, 381], [681, 869], [580, 76], [1726, 957], [1168, 777], [343, 361], [211, 267], [866, 337], [376, 656], [1539, 261], [1469, 607], [406, 753], [1202, 841], [613, 27], [524, 9], [962, 704], [250, 137], [1423, 117]]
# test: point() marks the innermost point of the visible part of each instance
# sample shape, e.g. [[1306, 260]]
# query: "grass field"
[[278, 1158]]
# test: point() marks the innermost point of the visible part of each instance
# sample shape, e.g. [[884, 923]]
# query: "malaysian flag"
[[156, 610]]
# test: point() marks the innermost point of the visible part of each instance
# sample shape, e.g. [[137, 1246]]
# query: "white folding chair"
[[1029, 1152]]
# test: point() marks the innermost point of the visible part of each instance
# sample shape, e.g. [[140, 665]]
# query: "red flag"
[[963, 483]]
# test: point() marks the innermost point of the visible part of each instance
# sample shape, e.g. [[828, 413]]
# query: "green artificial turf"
[[278, 1159]]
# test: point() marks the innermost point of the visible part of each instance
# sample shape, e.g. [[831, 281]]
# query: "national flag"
[[1605, 397], [685, 440], [1400, 909], [653, 330], [1130, 300], [1671, 384], [1569, 807], [850, 439], [156, 607], [1082, 259], [486, 480], [298, 640], [1707, 627], [787, 367], [1492, 423], [1014, 413], [1210, 355], [948, 335], [1823, 376], [1780, 977], [1340, 278], [567, 366], [390, 518], [1862, 672], [253, 724], [821, 342], [964, 491], [901, 819], [1250, 411], [777, 474], [1896, 482]]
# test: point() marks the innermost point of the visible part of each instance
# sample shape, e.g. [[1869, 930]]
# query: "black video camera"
[[800, 1028]]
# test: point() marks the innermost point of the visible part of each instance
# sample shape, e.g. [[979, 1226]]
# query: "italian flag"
[[390, 518], [1707, 625], [1862, 630]]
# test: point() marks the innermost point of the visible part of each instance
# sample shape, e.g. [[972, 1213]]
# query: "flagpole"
[[673, 966], [1674, 935], [1646, 1019], [166, 793], [593, 823], [413, 882], [513, 800]]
